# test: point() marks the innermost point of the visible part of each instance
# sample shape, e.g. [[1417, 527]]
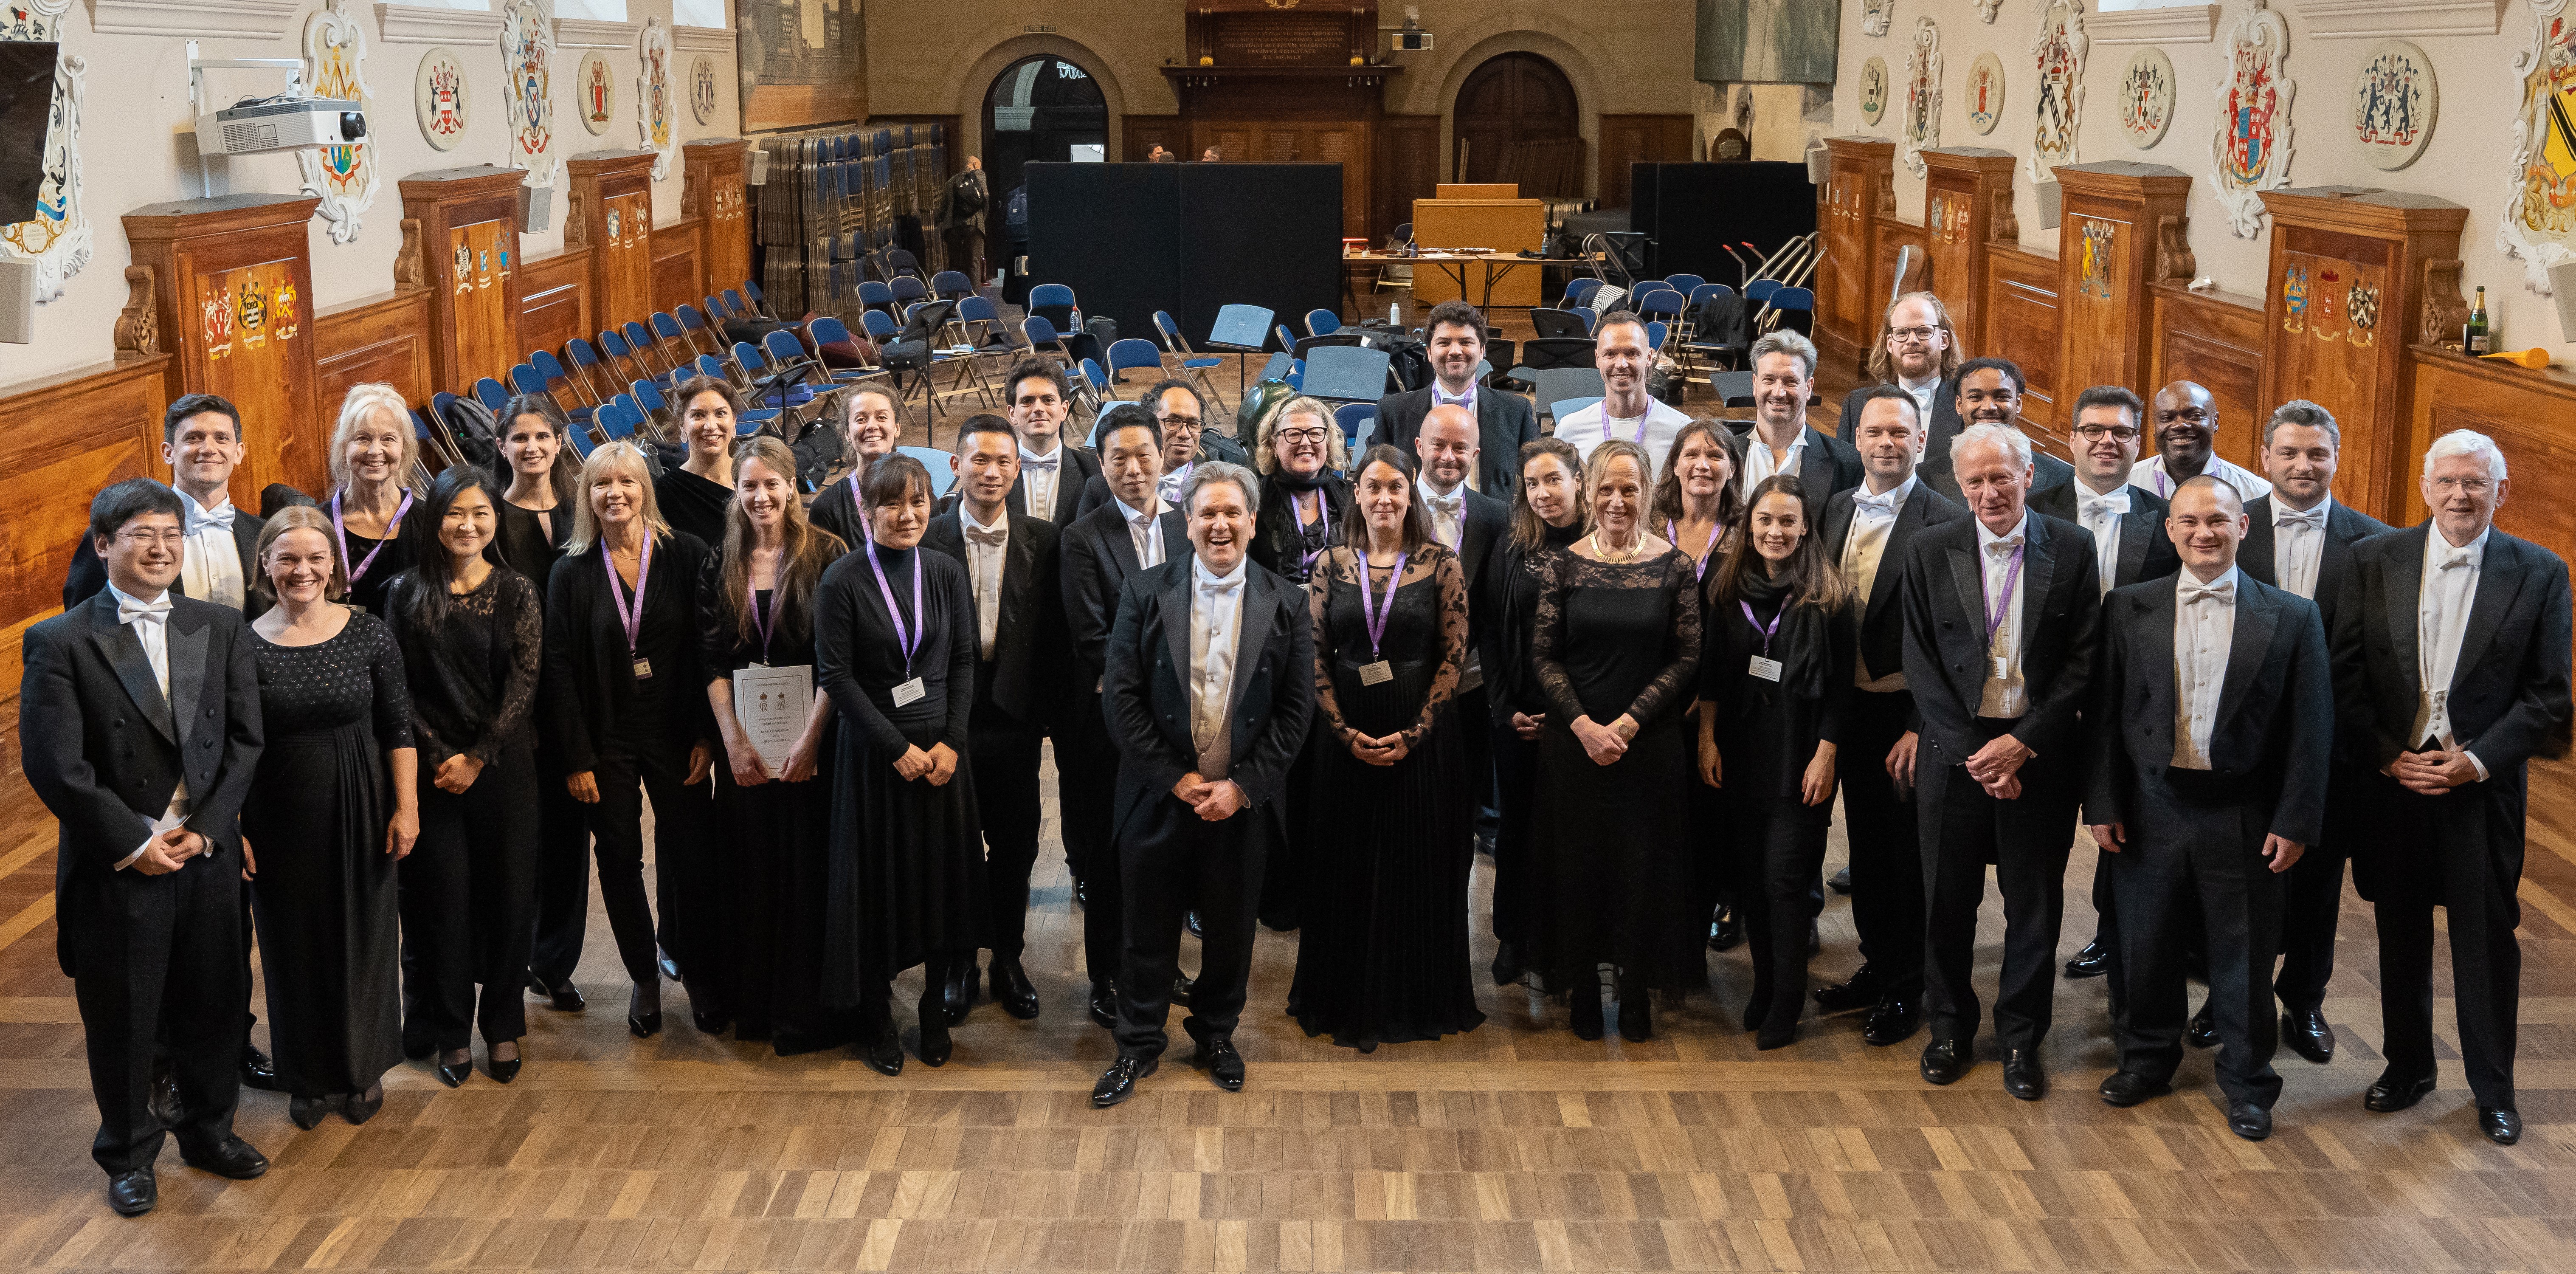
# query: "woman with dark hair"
[[1547, 517], [756, 614], [472, 633], [626, 709], [694, 496], [1383, 957], [1698, 511], [1775, 682], [330, 811], [540, 482], [895, 648], [1304, 504], [1617, 650], [872, 422]]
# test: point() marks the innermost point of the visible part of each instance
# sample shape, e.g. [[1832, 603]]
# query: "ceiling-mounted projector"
[[264, 124]]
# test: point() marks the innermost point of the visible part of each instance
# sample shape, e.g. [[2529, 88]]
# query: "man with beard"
[[1781, 440], [1917, 351], [1626, 410], [2186, 432], [1987, 391], [1502, 422]]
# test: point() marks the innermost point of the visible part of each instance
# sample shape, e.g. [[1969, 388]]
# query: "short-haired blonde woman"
[[626, 706], [373, 456]]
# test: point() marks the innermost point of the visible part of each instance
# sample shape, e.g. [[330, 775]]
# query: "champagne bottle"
[[2479, 340]]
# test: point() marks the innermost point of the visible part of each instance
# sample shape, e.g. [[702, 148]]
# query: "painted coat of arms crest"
[[2250, 151]]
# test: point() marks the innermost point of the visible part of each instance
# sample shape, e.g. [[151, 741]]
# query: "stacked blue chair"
[[1132, 353], [1191, 363], [491, 393]]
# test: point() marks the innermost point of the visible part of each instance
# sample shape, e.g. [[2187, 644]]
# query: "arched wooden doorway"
[[1040, 109], [1517, 120]]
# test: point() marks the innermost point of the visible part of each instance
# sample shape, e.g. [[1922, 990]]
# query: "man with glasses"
[[1182, 413], [2186, 423], [1456, 334], [1987, 391], [1917, 351]]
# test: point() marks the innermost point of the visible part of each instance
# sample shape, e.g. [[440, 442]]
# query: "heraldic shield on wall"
[[344, 177], [2250, 151], [657, 103], [439, 100], [2539, 225], [57, 238], [1922, 95], [2058, 51], [528, 57]]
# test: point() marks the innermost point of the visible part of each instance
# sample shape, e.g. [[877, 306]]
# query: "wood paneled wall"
[[1639, 139], [679, 274], [382, 338], [555, 299], [61, 439], [2214, 339], [2525, 411], [2022, 318]]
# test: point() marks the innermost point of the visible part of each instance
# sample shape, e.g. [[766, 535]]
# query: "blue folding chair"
[[759, 300], [491, 393], [1055, 301], [1578, 294], [1287, 339], [907, 289], [526, 379], [1656, 331], [826, 330], [648, 397], [613, 348], [1278, 366], [789, 368], [1320, 322], [639, 340], [668, 332], [1040, 334], [619, 418], [1354, 418], [951, 285], [1683, 283], [701, 336], [1565, 407], [586, 363], [874, 295], [1760, 290], [1131, 353], [1191, 363], [579, 437], [943, 478], [1793, 308]]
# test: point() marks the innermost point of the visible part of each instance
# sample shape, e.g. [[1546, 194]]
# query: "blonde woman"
[[626, 707], [373, 455], [1300, 454]]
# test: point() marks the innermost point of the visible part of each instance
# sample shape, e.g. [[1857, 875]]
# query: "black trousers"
[[1476, 743], [2194, 861], [1004, 753], [157, 958], [1779, 844], [1086, 784], [468, 901], [627, 776], [1882, 826], [1175, 860], [562, 874], [2311, 906], [2027, 840], [2486, 960], [1516, 839]]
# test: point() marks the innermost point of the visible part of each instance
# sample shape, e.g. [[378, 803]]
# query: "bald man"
[[2186, 431]]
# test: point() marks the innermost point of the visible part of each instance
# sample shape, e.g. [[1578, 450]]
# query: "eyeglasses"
[[1179, 422], [1911, 335], [1315, 436], [2473, 486], [146, 539], [2096, 433]]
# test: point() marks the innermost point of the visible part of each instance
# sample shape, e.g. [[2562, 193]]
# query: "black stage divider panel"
[[1690, 212], [1130, 239]]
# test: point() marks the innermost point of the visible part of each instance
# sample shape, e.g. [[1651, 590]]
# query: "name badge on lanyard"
[[1379, 672], [2001, 664], [1763, 665], [906, 640], [633, 618]]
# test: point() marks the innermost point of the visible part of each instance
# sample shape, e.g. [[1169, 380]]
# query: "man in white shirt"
[[1209, 686], [201, 442], [139, 728], [1626, 410], [2211, 733], [1917, 350], [2299, 539], [1781, 440], [2451, 672], [2186, 425], [1052, 473]]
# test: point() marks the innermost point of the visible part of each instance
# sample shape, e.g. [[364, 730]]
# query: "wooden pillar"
[[2347, 283], [2106, 255], [234, 303], [1847, 206], [612, 214], [711, 189], [469, 235], [1967, 196]]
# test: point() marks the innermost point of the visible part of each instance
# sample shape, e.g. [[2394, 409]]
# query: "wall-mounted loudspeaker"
[[2562, 285], [536, 208], [2052, 203], [17, 302], [1820, 164]]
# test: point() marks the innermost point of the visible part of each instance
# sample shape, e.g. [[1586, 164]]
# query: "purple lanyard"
[[907, 641], [1298, 507], [359, 571], [865, 533], [634, 620], [1370, 615], [1673, 533], [2003, 605], [764, 624], [2164, 484], [1757, 624]]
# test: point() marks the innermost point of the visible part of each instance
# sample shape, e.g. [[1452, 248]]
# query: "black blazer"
[[2273, 737], [1076, 469], [2345, 526], [2146, 552], [1945, 634], [2047, 473], [1274, 526], [104, 749], [1212, 446], [1483, 522], [1503, 422], [1825, 466], [587, 671], [1943, 426], [1146, 699], [2509, 693], [87, 577], [1096, 557], [1025, 673], [1882, 629]]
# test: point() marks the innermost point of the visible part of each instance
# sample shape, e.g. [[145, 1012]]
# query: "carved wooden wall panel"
[[385, 338], [61, 439], [612, 215], [1847, 208], [1964, 188], [2525, 411], [554, 300], [469, 219], [713, 194], [678, 278], [2022, 317], [2106, 256], [2217, 342]]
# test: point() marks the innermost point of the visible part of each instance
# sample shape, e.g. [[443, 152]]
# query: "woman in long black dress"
[[895, 647], [472, 633], [627, 710], [1304, 502], [1775, 684], [872, 422], [1697, 511], [756, 610], [330, 811], [694, 496], [1617, 651], [1383, 956], [374, 454], [1547, 517], [541, 486]]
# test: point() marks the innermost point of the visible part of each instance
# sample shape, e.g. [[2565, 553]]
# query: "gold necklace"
[[1602, 550]]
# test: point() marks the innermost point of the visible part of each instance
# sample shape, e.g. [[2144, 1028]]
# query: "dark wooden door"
[[1512, 100]]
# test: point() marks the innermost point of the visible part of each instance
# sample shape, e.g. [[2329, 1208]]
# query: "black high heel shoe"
[[456, 1072], [502, 1070], [1636, 1014], [642, 1022], [934, 1043], [307, 1111], [362, 1107]]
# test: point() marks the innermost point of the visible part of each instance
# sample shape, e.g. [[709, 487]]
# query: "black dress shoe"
[[454, 1074], [1860, 992], [1191, 922], [2307, 1034], [1586, 1012], [709, 1021], [1182, 987], [670, 967], [1507, 964], [1725, 931], [1840, 882], [2204, 1028], [2249, 1121], [1215, 1055], [2392, 1093], [2022, 1076], [641, 1022], [931, 1042], [361, 1107], [1011, 988], [565, 996], [307, 1112], [882, 1049], [2091, 962], [1945, 1061], [1637, 1015], [1118, 1083], [133, 1193], [957, 988], [2501, 1124], [257, 1071], [1892, 1022], [2127, 1088], [231, 1157], [1104, 1005]]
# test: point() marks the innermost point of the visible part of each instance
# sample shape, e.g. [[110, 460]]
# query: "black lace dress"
[[328, 913], [1512, 578], [1614, 855], [1383, 955]]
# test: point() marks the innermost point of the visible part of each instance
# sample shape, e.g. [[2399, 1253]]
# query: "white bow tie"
[[2097, 505], [1449, 503], [152, 612], [1884, 503], [199, 519], [1047, 462], [1214, 587], [2004, 548], [995, 538], [2313, 519], [2453, 557], [2224, 590]]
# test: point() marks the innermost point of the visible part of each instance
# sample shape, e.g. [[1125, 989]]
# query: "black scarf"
[[1801, 642], [1288, 478]]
